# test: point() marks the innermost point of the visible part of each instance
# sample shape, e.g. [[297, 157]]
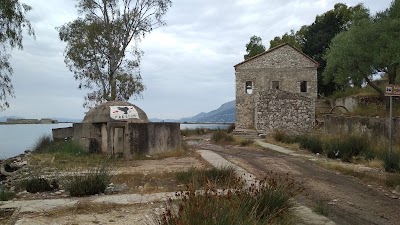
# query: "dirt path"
[[349, 200]]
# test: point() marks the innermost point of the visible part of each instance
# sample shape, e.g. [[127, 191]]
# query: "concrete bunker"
[[119, 129]]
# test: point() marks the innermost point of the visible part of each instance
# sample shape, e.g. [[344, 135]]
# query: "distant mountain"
[[226, 113]]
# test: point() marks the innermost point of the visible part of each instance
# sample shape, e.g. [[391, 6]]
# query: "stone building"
[[121, 129], [276, 90]]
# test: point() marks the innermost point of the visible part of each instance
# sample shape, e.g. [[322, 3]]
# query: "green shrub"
[[42, 144], [71, 147], [310, 143], [91, 183], [246, 142], [37, 184], [222, 137], [6, 195], [347, 147], [392, 163]]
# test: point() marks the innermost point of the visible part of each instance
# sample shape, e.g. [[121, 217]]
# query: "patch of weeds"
[[230, 129], [392, 163], [311, 143], [283, 137], [6, 195], [218, 176], [392, 180], [222, 137], [269, 203], [347, 147], [321, 208], [42, 144], [38, 184], [245, 142], [88, 183]]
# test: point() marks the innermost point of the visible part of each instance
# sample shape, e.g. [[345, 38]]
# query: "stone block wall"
[[367, 126], [281, 110]]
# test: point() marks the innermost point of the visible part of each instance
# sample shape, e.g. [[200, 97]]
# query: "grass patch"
[[88, 183], [321, 208], [39, 184], [269, 204], [244, 142], [6, 195], [392, 180], [222, 137], [45, 144], [217, 176], [392, 163], [311, 143]]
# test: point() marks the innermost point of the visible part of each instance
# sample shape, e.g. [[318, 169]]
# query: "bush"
[[310, 143], [392, 164], [246, 142], [222, 137], [230, 129], [347, 147], [278, 135], [6, 195], [37, 184], [42, 144], [91, 183], [270, 204]]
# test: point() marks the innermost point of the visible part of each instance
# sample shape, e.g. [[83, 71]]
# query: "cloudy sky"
[[187, 65]]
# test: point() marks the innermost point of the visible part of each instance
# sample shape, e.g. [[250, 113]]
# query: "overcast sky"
[[187, 65]]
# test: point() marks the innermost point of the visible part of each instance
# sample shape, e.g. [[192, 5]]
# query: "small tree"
[[12, 22], [254, 47], [98, 41]]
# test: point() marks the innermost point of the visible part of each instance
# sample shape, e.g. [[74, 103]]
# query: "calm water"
[[15, 139]]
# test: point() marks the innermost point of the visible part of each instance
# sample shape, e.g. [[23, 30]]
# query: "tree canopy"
[[12, 23], [353, 57], [101, 46], [254, 47], [314, 39]]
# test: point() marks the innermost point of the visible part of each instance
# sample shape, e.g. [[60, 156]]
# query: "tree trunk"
[[376, 88]]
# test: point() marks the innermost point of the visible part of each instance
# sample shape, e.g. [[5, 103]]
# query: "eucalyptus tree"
[[13, 22], [101, 47]]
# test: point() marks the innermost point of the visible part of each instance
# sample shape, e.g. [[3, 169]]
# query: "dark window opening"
[[275, 85], [249, 87], [303, 86]]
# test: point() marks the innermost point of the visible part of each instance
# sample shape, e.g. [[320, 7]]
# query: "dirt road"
[[349, 200]]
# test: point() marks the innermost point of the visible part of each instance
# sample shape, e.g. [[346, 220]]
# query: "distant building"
[[48, 121], [276, 90]]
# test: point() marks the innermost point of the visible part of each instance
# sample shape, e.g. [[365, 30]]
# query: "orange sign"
[[392, 90]]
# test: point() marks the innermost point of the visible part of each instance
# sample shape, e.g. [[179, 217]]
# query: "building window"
[[303, 86], [275, 85], [249, 87]]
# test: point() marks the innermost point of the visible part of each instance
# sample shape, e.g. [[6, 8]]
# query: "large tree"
[[12, 23], [314, 39], [370, 45], [254, 47], [101, 45]]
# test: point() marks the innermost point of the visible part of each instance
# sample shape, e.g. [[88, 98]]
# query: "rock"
[[58, 192]]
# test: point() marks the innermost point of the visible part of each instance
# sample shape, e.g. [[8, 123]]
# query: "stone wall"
[[285, 65], [281, 110], [368, 126], [62, 133]]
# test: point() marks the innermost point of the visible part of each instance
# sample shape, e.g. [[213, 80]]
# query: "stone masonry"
[[284, 68], [281, 110]]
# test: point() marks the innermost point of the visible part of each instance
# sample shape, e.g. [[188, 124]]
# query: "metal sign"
[[392, 90], [123, 112]]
